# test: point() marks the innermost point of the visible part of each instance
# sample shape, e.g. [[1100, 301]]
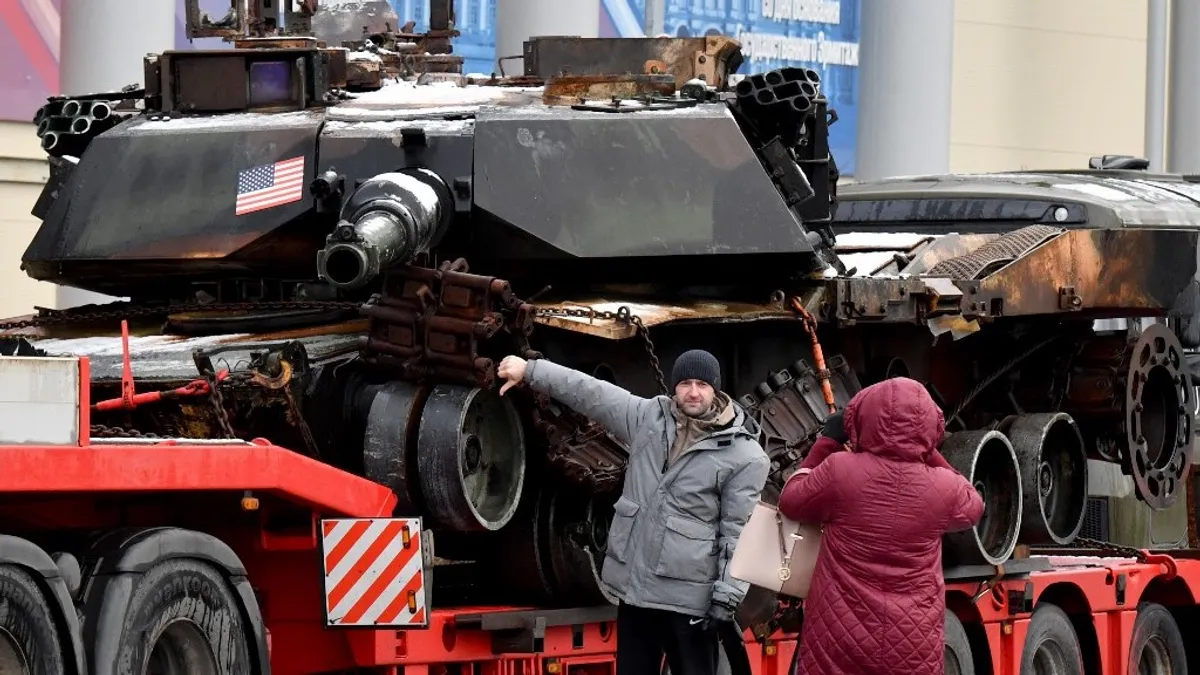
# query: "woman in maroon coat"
[[877, 601]]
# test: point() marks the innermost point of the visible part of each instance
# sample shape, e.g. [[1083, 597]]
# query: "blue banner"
[[818, 34]]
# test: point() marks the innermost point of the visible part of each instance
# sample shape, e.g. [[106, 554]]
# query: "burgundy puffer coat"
[[877, 600]]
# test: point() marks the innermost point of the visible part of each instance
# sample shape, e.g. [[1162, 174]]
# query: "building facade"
[[1035, 83]]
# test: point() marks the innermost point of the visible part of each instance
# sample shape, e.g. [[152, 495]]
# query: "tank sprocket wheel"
[[1158, 419]]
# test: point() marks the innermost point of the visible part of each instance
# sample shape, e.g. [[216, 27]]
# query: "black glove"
[[835, 427]]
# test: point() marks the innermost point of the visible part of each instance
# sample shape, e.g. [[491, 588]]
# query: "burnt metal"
[[470, 458], [1105, 269], [710, 59], [987, 460], [1054, 476], [898, 300], [572, 89], [994, 254]]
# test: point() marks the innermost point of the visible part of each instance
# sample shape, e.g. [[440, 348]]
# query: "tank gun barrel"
[[390, 219]]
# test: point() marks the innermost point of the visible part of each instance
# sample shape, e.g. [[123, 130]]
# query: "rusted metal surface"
[[892, 299], [996, 253], [586, 454], [710, 59], [943, 248], [1130, 271], [362, 73], [430, 323], [572, 89], [586, 320]]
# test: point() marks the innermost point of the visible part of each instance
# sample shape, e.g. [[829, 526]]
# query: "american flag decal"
[[270, 185]]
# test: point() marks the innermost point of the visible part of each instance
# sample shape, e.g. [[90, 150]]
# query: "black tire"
[[959, 660], [1157, 646], [1051, 646], [184, 620], [29, 643]]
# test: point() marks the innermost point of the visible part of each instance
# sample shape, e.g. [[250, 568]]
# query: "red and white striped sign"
[[374, 572]]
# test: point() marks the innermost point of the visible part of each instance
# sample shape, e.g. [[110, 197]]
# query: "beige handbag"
[[776, 553]]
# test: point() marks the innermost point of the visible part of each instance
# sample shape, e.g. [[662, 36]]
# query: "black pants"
[[644, 635]]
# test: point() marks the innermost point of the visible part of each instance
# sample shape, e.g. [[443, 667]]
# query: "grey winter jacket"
[[673, 532]]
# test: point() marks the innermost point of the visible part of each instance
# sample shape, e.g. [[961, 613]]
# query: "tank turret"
[[278, 166]]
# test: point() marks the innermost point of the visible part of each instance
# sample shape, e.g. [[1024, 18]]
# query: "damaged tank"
[[333, 246]]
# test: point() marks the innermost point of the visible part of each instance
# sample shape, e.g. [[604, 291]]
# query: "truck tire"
[[959, 660], [29, 643], [184, 620], [1051, 645], [1157, 645]]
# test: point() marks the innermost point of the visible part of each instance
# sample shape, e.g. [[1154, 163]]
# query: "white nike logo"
[[693, 622]]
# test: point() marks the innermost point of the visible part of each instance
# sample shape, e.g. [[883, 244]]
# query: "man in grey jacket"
[[694, 474]]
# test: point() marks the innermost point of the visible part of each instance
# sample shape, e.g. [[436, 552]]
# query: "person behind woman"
[[877, 600]]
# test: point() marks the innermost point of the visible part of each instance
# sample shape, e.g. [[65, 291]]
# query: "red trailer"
[[221, 556]]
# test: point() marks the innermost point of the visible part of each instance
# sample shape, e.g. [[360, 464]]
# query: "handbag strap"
[[783, 551]]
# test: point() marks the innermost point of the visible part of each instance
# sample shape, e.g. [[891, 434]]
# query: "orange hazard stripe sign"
[[374, 572]]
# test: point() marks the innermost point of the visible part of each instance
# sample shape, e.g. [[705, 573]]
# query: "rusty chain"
[[622, 315], [104, 431], [1107, 546]]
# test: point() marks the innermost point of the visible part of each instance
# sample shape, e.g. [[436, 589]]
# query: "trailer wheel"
[[29, 642], [1051, 646], [1157, 645], [958, 648], [184, 620]]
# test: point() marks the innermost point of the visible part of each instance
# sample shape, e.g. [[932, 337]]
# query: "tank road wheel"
[[576, 530], [551, 553], [1053, 461], [987, 459], [184, 620], [959, 660], [471, 458], [1158, 417], [1157, 645], [389, 442], [29, 642], [1051, 645]]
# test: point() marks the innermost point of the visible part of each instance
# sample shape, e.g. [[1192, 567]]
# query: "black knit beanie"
[[696, 364]]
